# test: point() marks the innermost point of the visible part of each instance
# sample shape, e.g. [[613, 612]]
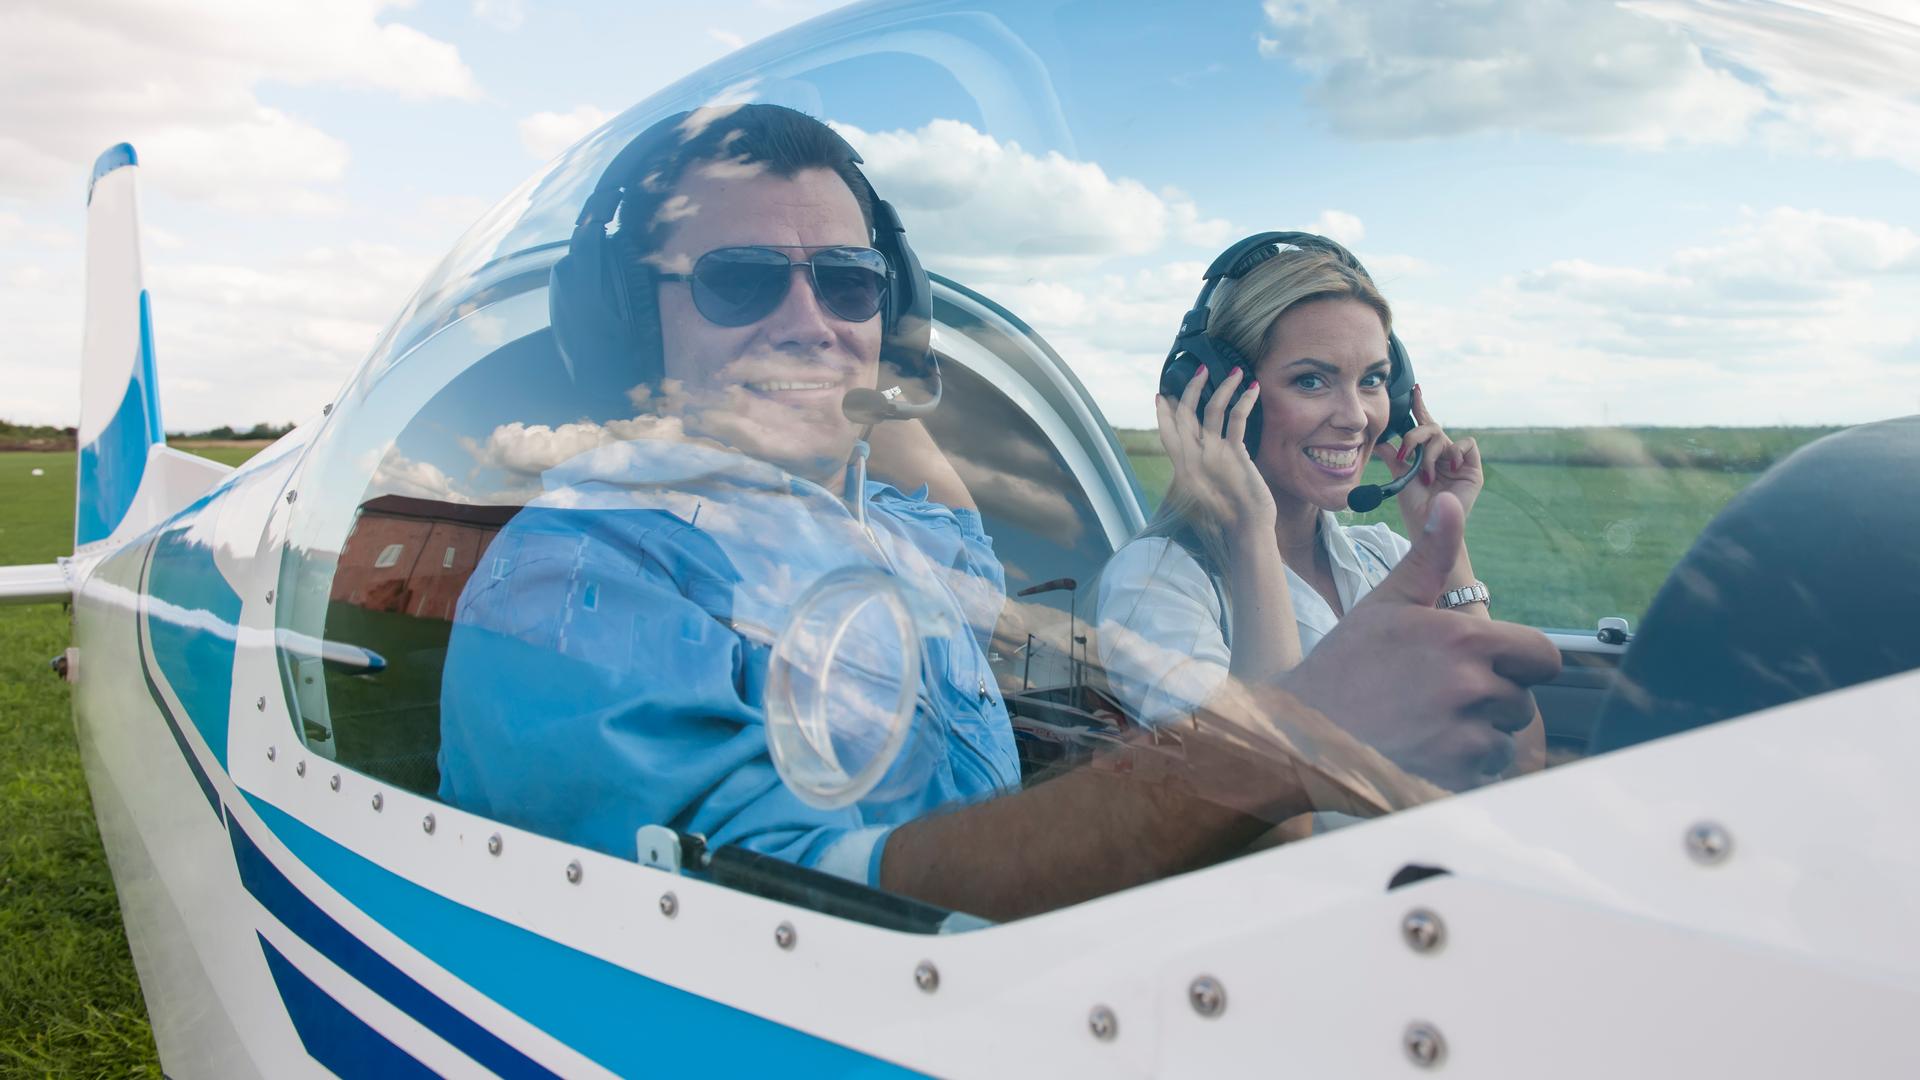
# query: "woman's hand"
[[1211, 468], [1447, 466]]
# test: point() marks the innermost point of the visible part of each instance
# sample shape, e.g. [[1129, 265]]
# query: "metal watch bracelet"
[[1475, 593]]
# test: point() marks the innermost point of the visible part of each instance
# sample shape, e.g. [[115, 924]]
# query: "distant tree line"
[[47, 437], [256, 433], [35, 436]]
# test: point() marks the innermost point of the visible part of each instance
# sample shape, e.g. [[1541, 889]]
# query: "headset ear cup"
[[1399, 390], [907, 326], [641, 290], [1230, 358]]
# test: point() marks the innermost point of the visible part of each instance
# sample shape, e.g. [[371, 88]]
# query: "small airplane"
[[1723, 885]]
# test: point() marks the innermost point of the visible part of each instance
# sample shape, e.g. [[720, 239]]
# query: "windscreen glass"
[[851, 455]]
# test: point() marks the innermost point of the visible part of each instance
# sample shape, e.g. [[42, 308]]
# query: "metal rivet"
[[378, 801], [292, 495], [494, 844], [1424, 1045], [1423, 930], [1207, 996], [926, 976], [784, 936], [1103, 1023], [426, 824], [300, 768], [575, 872], [261, 704], [272, 753], [1708, 843], [334, 783], [669, 904], [269, 596]]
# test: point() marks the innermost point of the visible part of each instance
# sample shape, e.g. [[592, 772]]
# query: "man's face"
[[771, 388]]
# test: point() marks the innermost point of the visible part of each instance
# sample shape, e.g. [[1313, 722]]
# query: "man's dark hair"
[[775, 138]]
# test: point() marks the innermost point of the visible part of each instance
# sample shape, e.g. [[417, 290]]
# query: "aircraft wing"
[[46, 583]]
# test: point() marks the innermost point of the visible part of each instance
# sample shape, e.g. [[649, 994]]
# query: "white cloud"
[[1792, 316], [1843, 78], [726, 37], [527, 450], [1816, 76], [178, 78], [1410, 68], [545, 134], [1338, 225], [501, 14], [979, 205], [397, 474]]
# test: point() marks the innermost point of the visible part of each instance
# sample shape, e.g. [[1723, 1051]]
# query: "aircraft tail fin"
[[119, 393]]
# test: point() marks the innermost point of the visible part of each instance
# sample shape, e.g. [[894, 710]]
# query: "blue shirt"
[[608, 660]]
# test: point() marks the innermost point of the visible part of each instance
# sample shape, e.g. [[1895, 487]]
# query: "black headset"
[[1194, 348], [605, 308]]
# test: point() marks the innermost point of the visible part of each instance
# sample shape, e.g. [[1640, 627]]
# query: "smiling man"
[[725, 270]]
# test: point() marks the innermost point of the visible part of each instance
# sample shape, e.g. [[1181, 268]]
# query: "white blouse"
[[1164, 637]]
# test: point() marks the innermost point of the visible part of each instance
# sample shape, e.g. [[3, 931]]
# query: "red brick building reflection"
[[413, 556]]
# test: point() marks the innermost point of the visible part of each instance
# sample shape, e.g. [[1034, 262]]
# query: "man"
[[722, 257]]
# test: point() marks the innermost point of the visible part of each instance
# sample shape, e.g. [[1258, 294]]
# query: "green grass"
[[70, 1004]]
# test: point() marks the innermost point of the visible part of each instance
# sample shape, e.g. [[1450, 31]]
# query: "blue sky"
[[1660, 211]]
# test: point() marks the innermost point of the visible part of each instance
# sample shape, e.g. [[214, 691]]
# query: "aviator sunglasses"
[[735, 286]]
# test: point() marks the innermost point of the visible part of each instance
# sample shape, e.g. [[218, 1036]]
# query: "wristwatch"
[[1475, 593]]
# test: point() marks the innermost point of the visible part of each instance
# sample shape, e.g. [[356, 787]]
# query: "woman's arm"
[[1225, 496]]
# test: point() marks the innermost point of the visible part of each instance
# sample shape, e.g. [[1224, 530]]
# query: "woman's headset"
[[603, 297]]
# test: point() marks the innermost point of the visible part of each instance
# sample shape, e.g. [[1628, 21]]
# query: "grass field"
[[1573, 525], [70, 1004]]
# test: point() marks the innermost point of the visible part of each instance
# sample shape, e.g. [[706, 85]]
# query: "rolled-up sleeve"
[[1159, 637]]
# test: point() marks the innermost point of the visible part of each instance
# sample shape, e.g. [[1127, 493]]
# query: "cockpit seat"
[[1808, 581]]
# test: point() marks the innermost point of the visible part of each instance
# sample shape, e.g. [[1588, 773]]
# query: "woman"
[[1245, 568]]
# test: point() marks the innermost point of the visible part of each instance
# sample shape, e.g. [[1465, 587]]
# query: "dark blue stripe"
[[173, 725], [114, 157], [332, 1035], [358, 959]]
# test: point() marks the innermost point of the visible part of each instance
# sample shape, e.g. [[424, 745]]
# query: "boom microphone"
[[869, 407], [1367, 496]]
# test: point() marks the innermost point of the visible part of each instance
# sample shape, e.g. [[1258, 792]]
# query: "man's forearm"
[[1072, 838]]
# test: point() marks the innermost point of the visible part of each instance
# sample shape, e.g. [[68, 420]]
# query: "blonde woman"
[[1246, 568]]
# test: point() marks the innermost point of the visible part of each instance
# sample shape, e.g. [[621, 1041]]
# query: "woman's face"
[[1323, 400]]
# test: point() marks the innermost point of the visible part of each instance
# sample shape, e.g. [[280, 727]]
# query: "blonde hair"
[[1244, 312]]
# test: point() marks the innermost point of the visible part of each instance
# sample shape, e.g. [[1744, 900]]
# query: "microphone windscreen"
[[866, 407], [1364, 498]]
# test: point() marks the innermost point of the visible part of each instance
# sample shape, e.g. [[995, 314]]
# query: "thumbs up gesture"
[[1438, 694]]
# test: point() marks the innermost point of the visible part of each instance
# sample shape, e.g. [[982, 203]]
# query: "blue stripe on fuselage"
[[625, 1021], [329, 1031], [358, 959], [195, 631]]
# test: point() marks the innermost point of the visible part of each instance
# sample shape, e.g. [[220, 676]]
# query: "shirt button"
[[983, 688]]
